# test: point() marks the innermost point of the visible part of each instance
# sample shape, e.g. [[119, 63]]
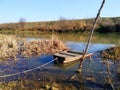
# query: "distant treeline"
[[64, 25]]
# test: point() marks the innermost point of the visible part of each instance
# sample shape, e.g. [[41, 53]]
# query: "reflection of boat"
[[69, 56]]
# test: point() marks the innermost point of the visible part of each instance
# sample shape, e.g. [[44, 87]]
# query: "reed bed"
[[38, 47], [12, 46]]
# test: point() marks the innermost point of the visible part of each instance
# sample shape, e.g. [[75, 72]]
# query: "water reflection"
[[80, 46], [112, 38]]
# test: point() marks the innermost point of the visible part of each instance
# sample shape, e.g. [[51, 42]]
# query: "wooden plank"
[[75, 52], [66, 57], [69, 53], [72, 59], [61, 58], [62, 55]]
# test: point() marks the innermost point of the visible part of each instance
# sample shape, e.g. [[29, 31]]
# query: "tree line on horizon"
[[64, 25]]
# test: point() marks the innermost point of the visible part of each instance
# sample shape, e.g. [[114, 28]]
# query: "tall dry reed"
[[11, 46], [38, 47], [8, 46]]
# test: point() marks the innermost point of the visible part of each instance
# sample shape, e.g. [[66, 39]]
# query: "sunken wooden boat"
[[69, 56]]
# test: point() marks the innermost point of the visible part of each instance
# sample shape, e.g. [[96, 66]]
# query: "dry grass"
[[8, 46], [38, 47], [11, 46]]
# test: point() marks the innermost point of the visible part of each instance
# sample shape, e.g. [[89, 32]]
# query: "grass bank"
[[104, 25]]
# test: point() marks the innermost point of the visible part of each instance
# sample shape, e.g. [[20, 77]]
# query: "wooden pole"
[[90, 36]]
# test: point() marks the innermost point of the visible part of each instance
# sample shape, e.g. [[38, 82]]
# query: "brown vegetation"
[[8, 46], [112, 53], [64, 25], [23, 84], [38, 47], [11, 46]]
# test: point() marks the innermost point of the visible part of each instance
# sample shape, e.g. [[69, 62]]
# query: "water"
[[80, 46], [94, 72]]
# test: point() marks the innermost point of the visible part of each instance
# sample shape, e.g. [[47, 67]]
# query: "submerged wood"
[[69, 56]]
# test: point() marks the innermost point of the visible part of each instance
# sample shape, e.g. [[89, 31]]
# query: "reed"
[[8, 46], [38, 47], [11, 46]]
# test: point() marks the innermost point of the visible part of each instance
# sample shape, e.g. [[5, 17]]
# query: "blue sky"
[[47, 10]]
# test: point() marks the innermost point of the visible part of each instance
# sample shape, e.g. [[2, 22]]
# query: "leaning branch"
[[91, 34]]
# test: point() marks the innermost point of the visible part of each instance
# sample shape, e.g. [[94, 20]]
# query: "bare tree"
[[63, 23], [22, 23]]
